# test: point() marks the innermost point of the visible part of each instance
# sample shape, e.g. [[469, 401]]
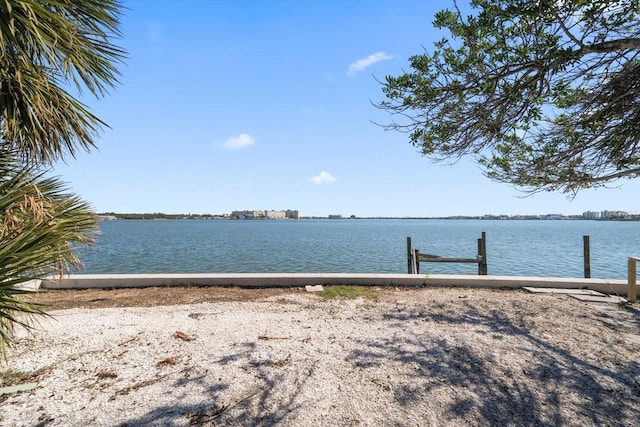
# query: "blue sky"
[[233, 105]]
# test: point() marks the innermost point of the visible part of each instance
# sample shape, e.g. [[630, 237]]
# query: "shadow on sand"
[[544, 385]]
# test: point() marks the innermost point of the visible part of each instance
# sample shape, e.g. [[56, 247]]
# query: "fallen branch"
[[127, 390], [199, 419], [268, 338]]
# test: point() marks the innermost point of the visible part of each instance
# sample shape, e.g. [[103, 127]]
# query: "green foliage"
[[40, 225], [348, 292], [545, 94], [47, 45]]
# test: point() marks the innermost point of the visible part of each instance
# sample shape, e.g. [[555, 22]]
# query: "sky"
[[269, 105]]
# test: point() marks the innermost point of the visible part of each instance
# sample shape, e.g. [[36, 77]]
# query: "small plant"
[[625, 305], [348, 292]]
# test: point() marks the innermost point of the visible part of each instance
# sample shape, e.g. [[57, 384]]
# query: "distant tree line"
[[157, 215]]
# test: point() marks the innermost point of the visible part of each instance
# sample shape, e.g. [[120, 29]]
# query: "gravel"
[[409, 357]]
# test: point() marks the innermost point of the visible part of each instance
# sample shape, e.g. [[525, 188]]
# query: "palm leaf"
[[47, 44], [40, 225], [48, 47]]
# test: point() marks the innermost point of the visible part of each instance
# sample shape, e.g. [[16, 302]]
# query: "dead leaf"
[[104, 373], [183, 336], [167, 361]]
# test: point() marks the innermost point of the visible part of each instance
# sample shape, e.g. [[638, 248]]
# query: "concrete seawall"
[[265, 280]]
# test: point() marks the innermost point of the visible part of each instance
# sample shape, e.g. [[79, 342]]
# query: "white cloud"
[[322, 178], [363, 63], [239, 142]]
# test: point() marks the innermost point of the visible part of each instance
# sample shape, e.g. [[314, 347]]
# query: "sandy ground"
[[198, 356]]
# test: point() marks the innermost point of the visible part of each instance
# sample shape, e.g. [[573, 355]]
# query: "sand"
[[416, 357]]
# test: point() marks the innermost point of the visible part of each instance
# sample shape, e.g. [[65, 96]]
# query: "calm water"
[[529, 248]]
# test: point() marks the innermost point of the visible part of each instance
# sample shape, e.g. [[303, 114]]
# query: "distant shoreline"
[[553, 217]]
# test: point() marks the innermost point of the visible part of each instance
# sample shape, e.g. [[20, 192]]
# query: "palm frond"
[[47, 44], [41, 223]]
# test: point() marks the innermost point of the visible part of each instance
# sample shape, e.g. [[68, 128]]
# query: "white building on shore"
[[288, 214]]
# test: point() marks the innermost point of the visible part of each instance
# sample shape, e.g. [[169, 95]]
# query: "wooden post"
[[631, 278], [482, 253], [480, 259], [409, 256], [587, 257], [416, 261]]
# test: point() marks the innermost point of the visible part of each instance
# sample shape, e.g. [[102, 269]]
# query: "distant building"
[[591, 215], [613, 214], [275, 214], [488, 216], [258, 214], [527, 217], [335, 216]]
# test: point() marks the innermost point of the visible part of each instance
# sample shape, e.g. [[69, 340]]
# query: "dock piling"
[[587, 257], [632, 278]]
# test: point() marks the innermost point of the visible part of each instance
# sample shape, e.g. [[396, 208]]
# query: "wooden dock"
[[414, 257]]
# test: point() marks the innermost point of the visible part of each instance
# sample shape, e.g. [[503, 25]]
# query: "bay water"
[[545, 248]]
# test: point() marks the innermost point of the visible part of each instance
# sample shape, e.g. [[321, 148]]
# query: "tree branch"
[[631, 43]]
